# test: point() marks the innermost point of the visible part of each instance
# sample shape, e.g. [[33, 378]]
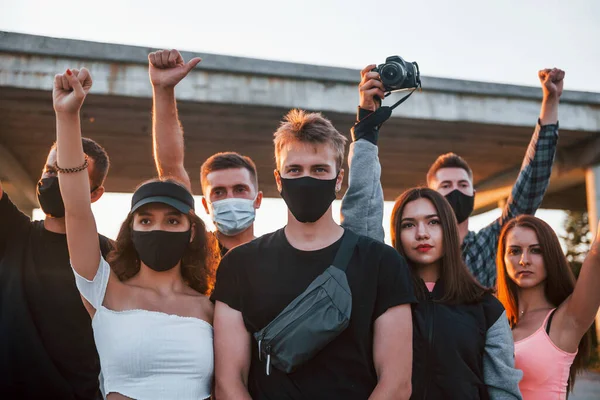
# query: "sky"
[[495, 41], [504, 41]]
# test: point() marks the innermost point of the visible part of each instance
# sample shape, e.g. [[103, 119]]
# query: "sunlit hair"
[[448, 160], [198, 264], [312, 128], [559, 284], [459, 284]]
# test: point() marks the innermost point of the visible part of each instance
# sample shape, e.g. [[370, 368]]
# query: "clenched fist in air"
[[70, 90]]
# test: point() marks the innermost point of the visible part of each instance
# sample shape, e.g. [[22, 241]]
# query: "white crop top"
[[149, 355]]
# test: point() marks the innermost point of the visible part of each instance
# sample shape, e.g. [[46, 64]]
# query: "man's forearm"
[[167, 135]]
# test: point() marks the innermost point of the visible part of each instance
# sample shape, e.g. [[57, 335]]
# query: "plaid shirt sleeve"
[[479, 249]]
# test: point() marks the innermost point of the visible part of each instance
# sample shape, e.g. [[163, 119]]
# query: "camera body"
[[397, 74]]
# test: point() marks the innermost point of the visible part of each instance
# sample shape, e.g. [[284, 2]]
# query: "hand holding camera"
[[371, 89], [397, 74], [394, 75]]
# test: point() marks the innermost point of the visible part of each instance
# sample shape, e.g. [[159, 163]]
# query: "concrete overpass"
[[233, 103]]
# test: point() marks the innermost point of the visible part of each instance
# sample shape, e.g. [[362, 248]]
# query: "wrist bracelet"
[[72, 170]]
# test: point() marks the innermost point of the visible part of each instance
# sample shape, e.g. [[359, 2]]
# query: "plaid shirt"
[[479, 249]]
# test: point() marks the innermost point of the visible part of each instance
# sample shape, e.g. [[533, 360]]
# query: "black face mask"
[[161, 250], [461, 204], [49, 197], [308, 198]]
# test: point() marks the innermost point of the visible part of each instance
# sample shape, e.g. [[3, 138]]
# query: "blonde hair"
[[306, 127]]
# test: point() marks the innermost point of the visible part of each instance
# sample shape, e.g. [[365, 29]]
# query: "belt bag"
[[311, 320]]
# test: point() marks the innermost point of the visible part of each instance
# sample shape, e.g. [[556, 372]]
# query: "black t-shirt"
[[46, 342], [261, 278], [222, 249]]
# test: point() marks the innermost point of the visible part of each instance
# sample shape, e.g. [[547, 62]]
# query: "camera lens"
[[392, 74]]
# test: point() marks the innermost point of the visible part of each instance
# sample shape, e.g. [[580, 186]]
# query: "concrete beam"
[[566, 172], [17, 182], [18, 43], [493, 197], [203, 85], [30, 62]]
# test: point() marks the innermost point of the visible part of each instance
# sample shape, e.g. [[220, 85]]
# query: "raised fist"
[[552, 82], [370, 89], [167, 68], [70, 90]]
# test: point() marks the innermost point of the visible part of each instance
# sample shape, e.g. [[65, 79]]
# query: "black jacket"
[[448, 347]]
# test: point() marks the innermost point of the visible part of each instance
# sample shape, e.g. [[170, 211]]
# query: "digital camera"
[[397, 74]]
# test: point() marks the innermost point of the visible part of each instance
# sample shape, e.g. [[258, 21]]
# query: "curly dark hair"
[[198, 264]]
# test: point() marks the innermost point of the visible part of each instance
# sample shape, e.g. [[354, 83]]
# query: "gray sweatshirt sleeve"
[[499, 373], [362, 204]]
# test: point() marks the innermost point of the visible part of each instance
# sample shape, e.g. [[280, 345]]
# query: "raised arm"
[[534, 177], [577, 313], [167, 69], [232, 354], [362, 204], [70, 90]]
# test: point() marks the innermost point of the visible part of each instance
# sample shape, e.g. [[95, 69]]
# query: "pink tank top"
[[545, 367]]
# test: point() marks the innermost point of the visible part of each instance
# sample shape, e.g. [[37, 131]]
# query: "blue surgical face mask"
[[233, 216]]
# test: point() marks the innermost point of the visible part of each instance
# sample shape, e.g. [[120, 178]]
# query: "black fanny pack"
[[311, 320]]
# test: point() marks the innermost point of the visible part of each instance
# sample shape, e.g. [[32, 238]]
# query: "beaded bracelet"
[[72, 170]]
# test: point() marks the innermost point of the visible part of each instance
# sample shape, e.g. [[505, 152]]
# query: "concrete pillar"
[[592, 184]]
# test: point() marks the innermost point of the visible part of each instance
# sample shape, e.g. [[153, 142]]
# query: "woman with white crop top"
[[150, 314]]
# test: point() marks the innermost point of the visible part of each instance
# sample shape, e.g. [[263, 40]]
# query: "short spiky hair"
[[227, 160], [448, 160], [306, 127]]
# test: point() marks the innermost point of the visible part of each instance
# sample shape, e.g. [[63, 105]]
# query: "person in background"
[[550, 314], [229, 180], [46, 342]]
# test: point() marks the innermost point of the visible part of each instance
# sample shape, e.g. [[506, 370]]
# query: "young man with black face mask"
[[372, 356], [451, 176], [47, 348], [229, 180]]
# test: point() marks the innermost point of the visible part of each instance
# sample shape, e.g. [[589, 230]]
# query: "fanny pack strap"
[[344, 253]]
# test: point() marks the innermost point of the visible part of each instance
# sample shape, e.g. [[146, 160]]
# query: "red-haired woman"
[[549, 313], [150, 314], [462, 344]]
